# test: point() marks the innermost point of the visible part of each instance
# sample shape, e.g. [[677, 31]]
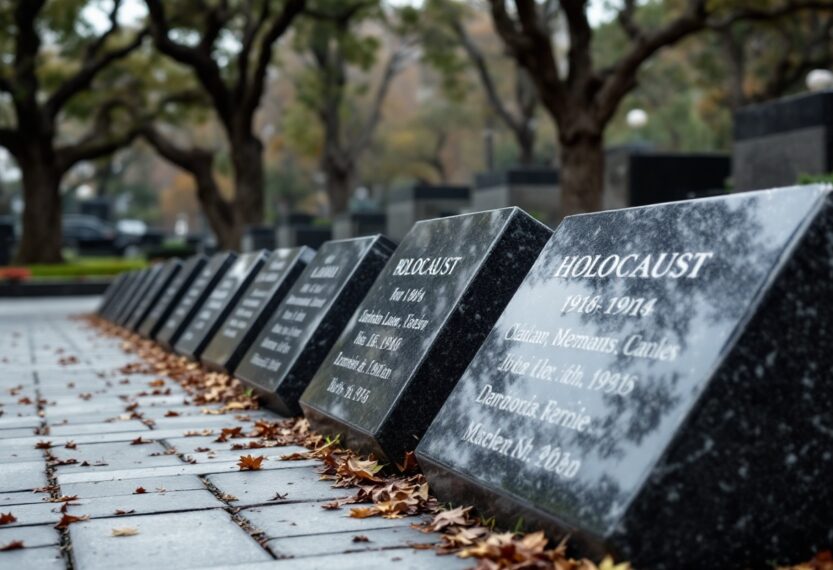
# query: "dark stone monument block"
[[660, 382], [217, 306], [111, 293], [166, 275], [778, 141], [148, 280], [191, 302], [301, 330], [256, 305], [639, 176], [171, 296], [130, 296], [120, 297], [419, 326], [534, 189], [358, 224], [411, 204]]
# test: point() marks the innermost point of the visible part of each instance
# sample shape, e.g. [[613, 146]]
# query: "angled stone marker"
[[148, 284], [171, 296], [255, 306], [112, 293], [300, 331], [191, 302], [134, 294], [166, 275], [219, 303], [419, 326], [120, 297], [660, 381]]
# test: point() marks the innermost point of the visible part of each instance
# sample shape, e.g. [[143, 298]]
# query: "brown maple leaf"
[[43, 445], [228, 433], [453, 517], [158, 383], [71, 445], [139, 491], [7, 518], [171, 414], [13, 545], [140, 441], [67, 520], [250, 463]]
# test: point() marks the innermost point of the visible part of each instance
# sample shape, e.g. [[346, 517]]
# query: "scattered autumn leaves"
[[379, 493]]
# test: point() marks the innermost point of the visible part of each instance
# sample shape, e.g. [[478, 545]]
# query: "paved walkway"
[[60, 383]]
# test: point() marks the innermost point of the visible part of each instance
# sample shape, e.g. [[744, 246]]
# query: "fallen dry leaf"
[[140, 441], [13, 545], [71, 445], [124, 512], [360, 538], [363, 512], [139, 491], [7, 518], [43, 445], [125, 531], [67, 520], [250, 463]]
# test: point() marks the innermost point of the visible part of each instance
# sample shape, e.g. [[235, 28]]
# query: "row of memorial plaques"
[[648, 380]]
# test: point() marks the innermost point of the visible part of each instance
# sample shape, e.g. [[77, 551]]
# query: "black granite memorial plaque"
[[217, 306], [123, 296], [256, 305], [166, 274], [171, 296], [190, 303], [300, 332], [132, 294], [660, 387], [148, 282], [111, 293], [419, 326]]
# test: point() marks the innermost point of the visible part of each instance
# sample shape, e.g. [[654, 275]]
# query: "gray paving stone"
[[32, 536], [257, 487], [304, 519], [39, 513], [400, 559], [127, 486], [114, 456], [99, 428], [170, 541], [15, 432], [345, 542], [22, 476], [147, 503], [164, 471], [17, 454], [47, 558], [21, 498]]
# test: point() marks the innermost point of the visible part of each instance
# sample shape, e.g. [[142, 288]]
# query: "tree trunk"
[[219, 213], [42, 236], [247, 157], [582, 174], [339, 183], [525, 138]]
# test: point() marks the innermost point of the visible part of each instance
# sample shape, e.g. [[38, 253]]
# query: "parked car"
[[88, 235]]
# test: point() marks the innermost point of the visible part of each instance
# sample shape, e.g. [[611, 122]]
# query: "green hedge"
[[96, 267]]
